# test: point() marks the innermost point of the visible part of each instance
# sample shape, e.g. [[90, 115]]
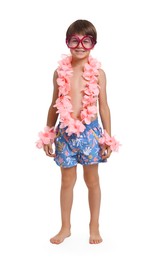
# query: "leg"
[[94, 195], [66, 198]]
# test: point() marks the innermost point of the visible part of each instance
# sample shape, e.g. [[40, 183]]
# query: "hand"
[[49, 150], [106, 152]]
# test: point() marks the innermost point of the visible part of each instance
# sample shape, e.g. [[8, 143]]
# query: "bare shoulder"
[[55, 74]]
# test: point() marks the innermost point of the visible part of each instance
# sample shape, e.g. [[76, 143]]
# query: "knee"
[[92, 182], [68, 181]]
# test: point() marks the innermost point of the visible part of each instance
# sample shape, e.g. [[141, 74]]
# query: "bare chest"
[[77, 84]]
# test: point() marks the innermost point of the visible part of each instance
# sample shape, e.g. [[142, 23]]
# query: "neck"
[[79, 62]]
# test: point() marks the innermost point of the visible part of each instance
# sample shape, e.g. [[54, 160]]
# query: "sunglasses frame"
[[80, 41]]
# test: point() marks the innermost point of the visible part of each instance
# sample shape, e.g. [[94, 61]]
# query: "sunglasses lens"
[[72, 42], [88, 42]]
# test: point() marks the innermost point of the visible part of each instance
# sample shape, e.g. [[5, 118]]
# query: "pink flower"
[[102, 140], [88, 113], [65, 68], [76, 127], [46, 137], [39, 144], [92, 110], [63, 105], [88, 73], [67, 72], [64, 90], [62, 81], [115, 145], [48, 134], [92, 89], [88, 100], [66, 60], [94, 63], [91, 68], [110, 141], [66, 120]]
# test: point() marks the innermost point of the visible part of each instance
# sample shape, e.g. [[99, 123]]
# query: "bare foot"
[[95, 237], [59, 238]]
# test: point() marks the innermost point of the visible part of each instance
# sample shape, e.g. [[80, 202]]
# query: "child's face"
[[80, 45]]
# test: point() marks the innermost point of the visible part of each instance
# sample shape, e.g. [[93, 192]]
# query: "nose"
[[80, 45]]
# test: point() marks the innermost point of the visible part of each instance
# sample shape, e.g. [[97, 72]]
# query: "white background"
[[32, 40]]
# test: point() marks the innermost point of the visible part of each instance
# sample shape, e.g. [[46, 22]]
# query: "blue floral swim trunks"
[[85, 149]]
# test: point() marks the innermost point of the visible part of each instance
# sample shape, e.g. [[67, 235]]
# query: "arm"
[[103, 104], [52, 115], [104, 110]]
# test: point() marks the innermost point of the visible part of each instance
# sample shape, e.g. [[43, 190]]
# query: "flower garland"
[[65, 109], [110, 141], [46, 137], [91, 91]]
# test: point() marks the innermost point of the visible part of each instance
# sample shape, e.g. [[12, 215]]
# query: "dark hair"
[[83, 27]]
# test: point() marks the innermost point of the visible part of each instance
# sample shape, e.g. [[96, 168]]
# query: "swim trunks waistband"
[[92, 124]]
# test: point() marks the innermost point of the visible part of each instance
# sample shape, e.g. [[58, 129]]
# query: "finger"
[[48, 150], [109, 151], [106, 153], [104, 156], [103, 150], [51, 154]]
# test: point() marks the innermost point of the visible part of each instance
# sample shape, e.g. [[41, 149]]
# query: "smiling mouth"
[[80, 50]]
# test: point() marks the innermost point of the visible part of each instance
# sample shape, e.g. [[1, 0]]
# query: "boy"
[[79, 83]]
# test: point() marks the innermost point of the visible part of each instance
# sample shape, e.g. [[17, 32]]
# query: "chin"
[[80, 54]]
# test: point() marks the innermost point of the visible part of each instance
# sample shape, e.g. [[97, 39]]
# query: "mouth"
[[80, 50]]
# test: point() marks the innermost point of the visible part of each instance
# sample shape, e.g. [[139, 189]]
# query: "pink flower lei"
[[46, 137], [91, 91]]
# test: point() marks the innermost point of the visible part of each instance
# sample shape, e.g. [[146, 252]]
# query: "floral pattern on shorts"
[[85, 149]]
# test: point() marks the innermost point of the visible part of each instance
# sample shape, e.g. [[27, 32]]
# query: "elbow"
[[104, 110]]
